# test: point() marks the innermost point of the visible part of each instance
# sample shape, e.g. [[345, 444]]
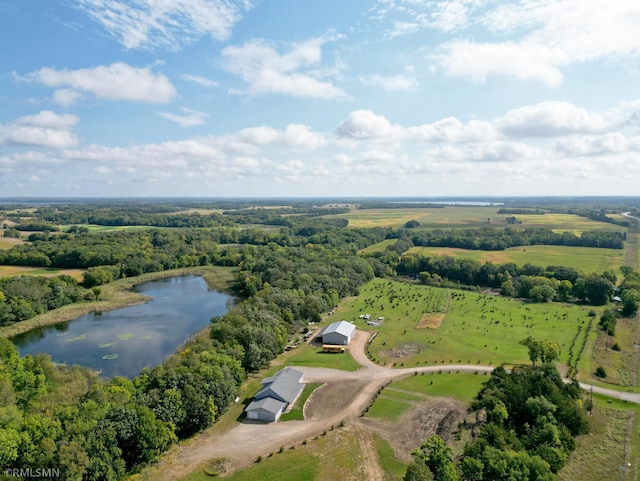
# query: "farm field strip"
[[15, 271], [587, 259], [451, 217], [379, 247]]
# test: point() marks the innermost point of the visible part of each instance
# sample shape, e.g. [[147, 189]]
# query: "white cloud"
[[118, 81], [611, 143], [364, 124], [525, 61], [391, 83], [66, 97], [265, 71], [191, 119], [533, 39], [45, 129], [202, 81], [166, 24]]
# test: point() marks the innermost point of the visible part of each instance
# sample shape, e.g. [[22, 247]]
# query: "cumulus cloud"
[[44, 129], [265, 71], [66, 97], [191, 118], [118, 81], [364, 124], [152, 24]]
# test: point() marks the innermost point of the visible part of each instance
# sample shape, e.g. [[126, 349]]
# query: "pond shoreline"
[[118, 294]]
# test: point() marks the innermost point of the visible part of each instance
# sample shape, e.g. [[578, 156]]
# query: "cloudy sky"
[[319, 98]]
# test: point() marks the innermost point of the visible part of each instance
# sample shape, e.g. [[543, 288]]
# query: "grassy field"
[[613, 442], [379, 247], [9, 242], [15, 271], [450, 217], [306, 462], [401, 395], [587, 259], [476, 329], [312, 355]]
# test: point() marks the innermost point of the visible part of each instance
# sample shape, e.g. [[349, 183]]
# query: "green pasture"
[[394, 470], [469, 217], [477, 328], [586, 259], [379, 247], [402, 395], [14, 271], [312, 355]]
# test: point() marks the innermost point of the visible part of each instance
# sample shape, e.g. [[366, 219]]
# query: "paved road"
[[344, 396]]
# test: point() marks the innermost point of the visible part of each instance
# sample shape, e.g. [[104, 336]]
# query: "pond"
[[124, 341]]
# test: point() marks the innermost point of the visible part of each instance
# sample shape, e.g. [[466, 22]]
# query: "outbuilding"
[[277, 393], [339, 333]]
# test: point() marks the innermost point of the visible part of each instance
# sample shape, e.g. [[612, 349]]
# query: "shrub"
[[600, 372]]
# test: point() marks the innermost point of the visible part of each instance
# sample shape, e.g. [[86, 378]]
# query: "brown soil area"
[[440, 417], [430, 320]]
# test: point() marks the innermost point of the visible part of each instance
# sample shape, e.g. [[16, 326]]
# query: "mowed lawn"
[[587, 259], [400, 396], [469, 217], [475, 329], [14, 271]]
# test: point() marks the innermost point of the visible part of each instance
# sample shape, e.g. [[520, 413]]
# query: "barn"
[[277, 393], [339, 333]]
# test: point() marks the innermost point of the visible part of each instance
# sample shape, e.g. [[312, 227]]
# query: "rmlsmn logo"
[[32, 473]]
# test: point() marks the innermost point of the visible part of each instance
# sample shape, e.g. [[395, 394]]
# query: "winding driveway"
[[344, 395]]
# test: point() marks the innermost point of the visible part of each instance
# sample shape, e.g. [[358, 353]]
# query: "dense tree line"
[[22, 298], [489, 238], [398, 205], [527, 281], [102, 430]]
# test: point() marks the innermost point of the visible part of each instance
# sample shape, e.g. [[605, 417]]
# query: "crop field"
[[476, 329], [14, 271], [469, 217], [401, 395], [587, 259]]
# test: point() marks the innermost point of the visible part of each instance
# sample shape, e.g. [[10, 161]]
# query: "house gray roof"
[[341, 327], [285, 385], [269, 405]]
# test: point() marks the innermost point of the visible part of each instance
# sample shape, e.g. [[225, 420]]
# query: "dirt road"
[[343, 397]]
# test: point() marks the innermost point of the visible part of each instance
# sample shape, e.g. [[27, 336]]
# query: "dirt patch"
[[406, 350], [430, 320], [440, 417], [332, 398]]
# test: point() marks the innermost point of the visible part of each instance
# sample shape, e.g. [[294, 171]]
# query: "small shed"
[[339, 333]]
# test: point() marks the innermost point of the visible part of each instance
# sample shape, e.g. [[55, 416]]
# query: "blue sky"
[[319, 98]]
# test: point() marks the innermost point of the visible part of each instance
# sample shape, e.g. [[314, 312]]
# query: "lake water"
[[124, 341]]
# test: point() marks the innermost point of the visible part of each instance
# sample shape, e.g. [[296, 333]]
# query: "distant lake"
[[124, 341]]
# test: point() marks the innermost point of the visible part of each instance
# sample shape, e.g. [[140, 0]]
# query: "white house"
[[339, 333]]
